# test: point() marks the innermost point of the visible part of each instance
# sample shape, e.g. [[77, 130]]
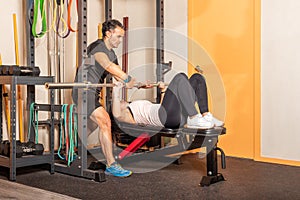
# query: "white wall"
[[280, 69], [7, 44], [7, 48], [142, 38]]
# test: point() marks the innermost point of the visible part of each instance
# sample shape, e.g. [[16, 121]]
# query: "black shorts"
[[93, 100]]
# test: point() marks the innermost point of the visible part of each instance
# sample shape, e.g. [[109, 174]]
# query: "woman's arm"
[[119, 107], [163, 89], [116, 101]]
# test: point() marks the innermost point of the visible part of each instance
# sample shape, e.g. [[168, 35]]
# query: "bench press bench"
[[187, 139]]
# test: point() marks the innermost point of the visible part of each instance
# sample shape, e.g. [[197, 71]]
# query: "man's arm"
[[113, 69]]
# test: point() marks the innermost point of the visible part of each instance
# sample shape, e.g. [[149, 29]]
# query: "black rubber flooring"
[[245, 179]]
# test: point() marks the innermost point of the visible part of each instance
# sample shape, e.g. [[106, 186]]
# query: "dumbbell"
[[32, 148], [5, 148], [2, 146], [22, 148], [20, 70]]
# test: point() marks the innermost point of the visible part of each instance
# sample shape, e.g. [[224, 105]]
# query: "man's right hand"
[[131, 83]]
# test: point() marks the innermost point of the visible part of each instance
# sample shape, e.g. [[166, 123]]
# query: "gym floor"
[[245, 179]]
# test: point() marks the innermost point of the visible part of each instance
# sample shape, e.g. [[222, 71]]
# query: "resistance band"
[[39, 4], [71, 137], [70, 132], [57, 17], [69, 15], [33, 122], [60, 13], [62, 141]]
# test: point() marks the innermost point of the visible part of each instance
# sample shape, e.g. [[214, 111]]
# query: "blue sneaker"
[[116, 170]]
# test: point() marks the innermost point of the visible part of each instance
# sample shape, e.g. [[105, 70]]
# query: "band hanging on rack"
[[39, 5], [69, 15], [68, 134], [60, 12], [57, 13], [33, 122]]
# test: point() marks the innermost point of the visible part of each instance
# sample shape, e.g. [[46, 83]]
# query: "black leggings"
[[180, 97], [198, 83]]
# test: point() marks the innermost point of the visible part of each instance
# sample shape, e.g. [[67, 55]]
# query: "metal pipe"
[[76, 85], [95, 85], [125, 54]]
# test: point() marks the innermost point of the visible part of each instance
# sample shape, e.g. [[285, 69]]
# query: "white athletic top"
[[145, 112]]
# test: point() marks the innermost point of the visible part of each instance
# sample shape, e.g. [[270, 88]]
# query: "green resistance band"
[[63, 119], [73, 133], [34, 122], [35, 16], [71, 153]]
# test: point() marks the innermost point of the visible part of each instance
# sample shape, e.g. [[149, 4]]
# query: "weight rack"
[[12, 162]]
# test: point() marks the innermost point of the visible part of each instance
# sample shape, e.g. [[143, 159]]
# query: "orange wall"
[[226, 30]]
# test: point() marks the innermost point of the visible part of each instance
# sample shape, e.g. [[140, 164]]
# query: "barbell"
[[77, 85], [95, 85]]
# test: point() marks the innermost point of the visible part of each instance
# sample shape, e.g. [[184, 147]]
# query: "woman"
[[182, 102]]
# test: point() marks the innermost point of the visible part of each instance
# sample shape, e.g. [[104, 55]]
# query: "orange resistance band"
[[69, 15]]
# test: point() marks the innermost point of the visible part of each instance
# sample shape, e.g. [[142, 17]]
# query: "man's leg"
[[102, 119]]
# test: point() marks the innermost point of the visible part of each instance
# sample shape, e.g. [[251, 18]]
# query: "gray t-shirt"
[[96, 73]]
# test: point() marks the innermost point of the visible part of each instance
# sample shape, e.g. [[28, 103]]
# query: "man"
[[106, 63]]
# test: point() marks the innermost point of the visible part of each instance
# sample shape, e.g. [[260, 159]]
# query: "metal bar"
[[1, 110], [159, 43], [108, 16], [29, 37], [76, 85], [108, 9], [82, 123], [95, 85], [82, 95], [82, 31], [48, 107], [13, 110], [52, 97], [125, 54], [211, 158]]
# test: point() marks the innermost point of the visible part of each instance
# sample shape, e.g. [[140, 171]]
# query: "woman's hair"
[[110, 25]]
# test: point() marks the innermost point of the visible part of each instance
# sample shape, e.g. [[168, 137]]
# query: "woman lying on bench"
[[182, 102]]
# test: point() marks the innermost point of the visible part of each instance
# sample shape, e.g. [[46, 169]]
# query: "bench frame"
[[188, 139]]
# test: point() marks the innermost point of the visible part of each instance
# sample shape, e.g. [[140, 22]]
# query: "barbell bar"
[[94, 85]]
